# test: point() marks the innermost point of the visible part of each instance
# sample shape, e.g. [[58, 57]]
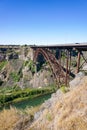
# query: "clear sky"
[[43, 21]]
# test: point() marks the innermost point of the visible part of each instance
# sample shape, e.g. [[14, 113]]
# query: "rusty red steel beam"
[[85, 60], [59, 63], [69, 63], [55, 66], [78, 61], [41, 51]]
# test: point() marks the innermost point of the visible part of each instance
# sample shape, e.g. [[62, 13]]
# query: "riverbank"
[[17, 96]]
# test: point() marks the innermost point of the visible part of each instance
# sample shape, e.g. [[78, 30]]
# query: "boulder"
[[77, 80], [85, 67]]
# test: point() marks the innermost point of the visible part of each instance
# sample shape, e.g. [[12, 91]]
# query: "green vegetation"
[[49, 116], [2, 64], [15, 76], [64, 89], [16, 95], [26, 63], [31, 65], [63, 54], [7, 90]]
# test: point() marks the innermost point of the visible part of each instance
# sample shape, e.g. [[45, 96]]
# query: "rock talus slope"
[[65, 112]]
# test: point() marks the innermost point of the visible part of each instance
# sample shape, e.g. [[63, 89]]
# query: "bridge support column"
[[34, 60], [78, 61], [67, 64], [59, 62]]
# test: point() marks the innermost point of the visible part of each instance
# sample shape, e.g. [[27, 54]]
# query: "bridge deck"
[[80, 46]]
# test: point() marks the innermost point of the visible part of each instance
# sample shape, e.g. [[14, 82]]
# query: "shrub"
[[26, 63], [49, 117], [31, 66], [64, 89], [15, 76]]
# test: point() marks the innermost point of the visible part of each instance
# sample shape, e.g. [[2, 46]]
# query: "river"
[[30, 102]]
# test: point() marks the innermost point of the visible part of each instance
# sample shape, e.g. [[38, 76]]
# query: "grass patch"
[[2, 64], [15, 76], [49, 116], [16, 119]]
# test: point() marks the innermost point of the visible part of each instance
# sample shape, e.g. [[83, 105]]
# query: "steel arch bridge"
[[61, 73]]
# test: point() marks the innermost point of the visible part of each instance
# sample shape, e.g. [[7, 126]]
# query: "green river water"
[[30, 102]]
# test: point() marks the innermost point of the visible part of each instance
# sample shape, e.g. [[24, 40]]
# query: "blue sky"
[[43, 21]]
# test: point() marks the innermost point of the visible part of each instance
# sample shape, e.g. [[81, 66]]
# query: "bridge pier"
[[67, 65], [69, 62], [59, 59], [78, 61]]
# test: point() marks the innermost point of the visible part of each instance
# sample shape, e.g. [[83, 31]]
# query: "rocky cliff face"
[[17, 68]]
